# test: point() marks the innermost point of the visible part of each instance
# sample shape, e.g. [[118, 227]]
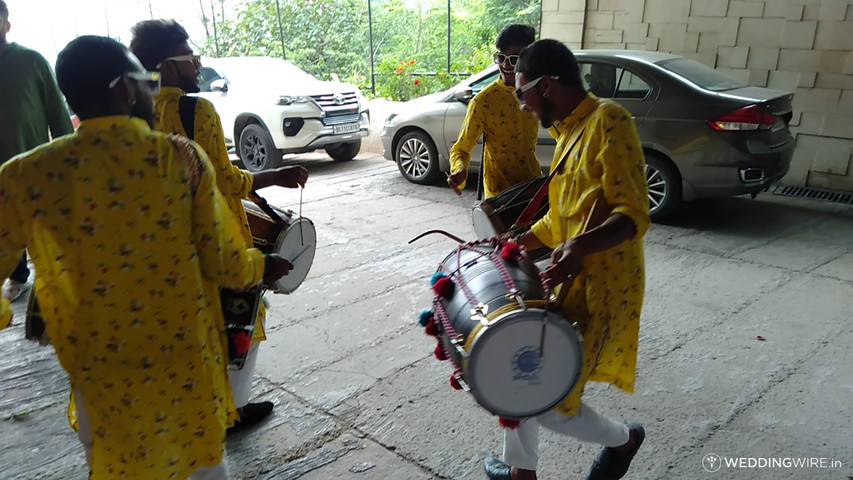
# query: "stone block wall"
[[802, 46]]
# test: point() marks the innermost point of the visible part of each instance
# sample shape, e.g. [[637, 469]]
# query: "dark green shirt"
[[31, 107]]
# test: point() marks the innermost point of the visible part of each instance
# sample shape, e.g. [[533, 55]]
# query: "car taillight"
[[747, 118]]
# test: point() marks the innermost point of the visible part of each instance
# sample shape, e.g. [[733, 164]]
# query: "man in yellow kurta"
[[509, 133], [162, 45], [128, 233], [598, 214]]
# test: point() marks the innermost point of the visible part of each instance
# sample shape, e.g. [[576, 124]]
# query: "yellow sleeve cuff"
[[5, 313]]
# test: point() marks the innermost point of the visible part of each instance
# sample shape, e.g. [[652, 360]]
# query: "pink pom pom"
[[454, 381], [510, 251], [508, 423], [443, 287], [432, 328], [439, 352]]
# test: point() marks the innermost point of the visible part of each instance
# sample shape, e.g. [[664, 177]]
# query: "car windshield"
[[701, 74], [261, 70]]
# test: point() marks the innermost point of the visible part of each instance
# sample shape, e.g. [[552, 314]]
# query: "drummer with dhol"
[[600, 263], [162, 45], [509, 133]]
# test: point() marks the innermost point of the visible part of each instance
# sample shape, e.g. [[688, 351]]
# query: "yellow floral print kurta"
[[233, 182], [606, 298], [510, 135], [127, 254]]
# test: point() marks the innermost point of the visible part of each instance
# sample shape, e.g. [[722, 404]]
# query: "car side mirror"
[[219, 85], [464, 95]]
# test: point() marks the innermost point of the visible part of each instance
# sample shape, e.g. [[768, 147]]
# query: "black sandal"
[[611, 464]]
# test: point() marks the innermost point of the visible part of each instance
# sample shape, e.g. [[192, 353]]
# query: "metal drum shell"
[[483, 279]]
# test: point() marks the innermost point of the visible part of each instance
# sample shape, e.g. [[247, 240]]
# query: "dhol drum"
[[492, 329], [494, 216], [294, 238]]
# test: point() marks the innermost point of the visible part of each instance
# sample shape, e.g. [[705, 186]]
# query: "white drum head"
[[483, 226], [296, 243], [507, 375]]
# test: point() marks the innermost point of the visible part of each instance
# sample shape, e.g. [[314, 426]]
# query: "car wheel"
[[257, 150], [344, 152], [417, 158], [664, 187]]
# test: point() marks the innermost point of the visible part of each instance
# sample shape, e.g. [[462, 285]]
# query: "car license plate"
[[349, 127]]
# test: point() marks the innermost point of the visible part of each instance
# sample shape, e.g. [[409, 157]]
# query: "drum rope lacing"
[[507, 279]]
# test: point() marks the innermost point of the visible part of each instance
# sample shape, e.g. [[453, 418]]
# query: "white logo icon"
[[712, 462]]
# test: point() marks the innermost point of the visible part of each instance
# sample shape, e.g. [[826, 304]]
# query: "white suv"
[[270, 107]]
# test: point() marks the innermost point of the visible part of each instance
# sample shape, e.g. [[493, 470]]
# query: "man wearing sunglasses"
[[129, 241], [162, 45], [597, 266], [31, 112], [509, 134]]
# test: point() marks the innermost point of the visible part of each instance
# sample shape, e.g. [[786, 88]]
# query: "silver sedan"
[[704, 134]]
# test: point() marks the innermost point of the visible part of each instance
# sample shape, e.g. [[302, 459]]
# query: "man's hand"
[[291, 177], [275, 267], [566, 263], [288, 177], [456, 179]]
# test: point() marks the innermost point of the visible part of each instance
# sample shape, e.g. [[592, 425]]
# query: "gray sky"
[[48, 25]]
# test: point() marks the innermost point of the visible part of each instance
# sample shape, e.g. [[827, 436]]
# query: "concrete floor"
[[360, 396]]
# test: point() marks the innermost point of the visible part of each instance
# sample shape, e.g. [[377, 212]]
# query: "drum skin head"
[[297, 243], [483, 226], [507, 375]]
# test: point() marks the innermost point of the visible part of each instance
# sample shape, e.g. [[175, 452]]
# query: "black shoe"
[[611, 464], [496, 469], [250, 415]]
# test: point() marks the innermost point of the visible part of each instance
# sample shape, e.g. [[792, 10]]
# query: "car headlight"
[[290, 99], [389, 118]]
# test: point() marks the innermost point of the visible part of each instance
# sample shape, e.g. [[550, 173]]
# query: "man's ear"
[[125, 91], [8, 26]]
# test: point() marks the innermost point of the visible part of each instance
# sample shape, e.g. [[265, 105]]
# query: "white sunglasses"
[[196, 59], [520, 91], [149, 79]]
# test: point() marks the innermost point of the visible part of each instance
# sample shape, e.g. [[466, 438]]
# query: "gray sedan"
[[704, 133]]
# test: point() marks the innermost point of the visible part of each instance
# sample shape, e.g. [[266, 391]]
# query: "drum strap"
[[186, 108], [261, 202], [526, 217]]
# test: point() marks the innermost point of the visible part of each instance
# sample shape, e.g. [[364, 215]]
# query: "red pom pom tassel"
[[510, 251], [242, 342], [443, 287], [454, 380], [432, 328], [508, 423], [439, 352]]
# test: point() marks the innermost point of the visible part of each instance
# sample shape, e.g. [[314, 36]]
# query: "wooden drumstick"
[[453, 185]]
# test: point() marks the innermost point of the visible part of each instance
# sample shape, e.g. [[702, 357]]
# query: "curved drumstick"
[[300, 253], [428, 232]]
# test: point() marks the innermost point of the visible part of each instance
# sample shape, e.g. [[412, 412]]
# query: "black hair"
[[549, 57], [515, 34], [4, 10], [156, 40], [85, 68]]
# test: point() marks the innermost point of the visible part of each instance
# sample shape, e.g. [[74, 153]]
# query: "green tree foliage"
[[326, 37]]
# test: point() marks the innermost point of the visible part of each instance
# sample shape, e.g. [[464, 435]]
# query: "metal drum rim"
[[573, 334]]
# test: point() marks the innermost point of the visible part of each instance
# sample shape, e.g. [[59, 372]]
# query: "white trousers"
[[215, 472], [521, 445], [241, 380]]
